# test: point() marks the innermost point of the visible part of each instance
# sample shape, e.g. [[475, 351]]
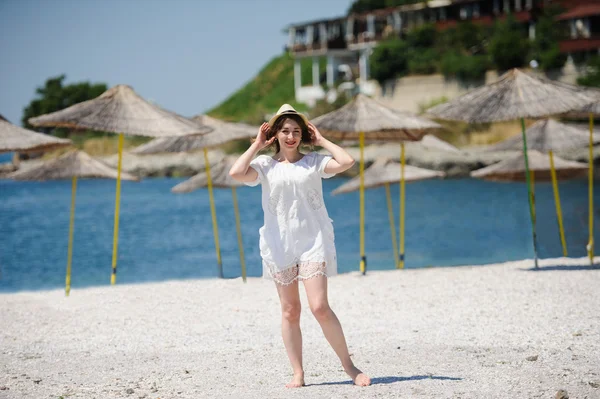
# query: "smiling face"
[[290, 132], [290, 135]]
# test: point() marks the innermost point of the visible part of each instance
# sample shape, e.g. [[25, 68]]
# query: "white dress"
[[297, 239]]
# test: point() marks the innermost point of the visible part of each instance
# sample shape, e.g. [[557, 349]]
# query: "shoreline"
[[542, 262]]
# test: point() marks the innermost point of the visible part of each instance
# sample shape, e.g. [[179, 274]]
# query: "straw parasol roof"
[[17, 139], [222, 132], [427, 143], [513, 169], [592, 107], [377, 121], [121, 110], [73, 163], [431, 142], [547, 135], [385, 171], [514, 95], [219, 174]]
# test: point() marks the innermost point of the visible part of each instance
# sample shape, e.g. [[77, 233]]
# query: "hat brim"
[[287, 113]]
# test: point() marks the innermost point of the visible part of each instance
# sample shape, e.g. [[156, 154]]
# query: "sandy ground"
[[462, 332]]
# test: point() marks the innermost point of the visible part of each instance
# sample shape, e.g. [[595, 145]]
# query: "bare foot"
[[359, 378], [296, 382]]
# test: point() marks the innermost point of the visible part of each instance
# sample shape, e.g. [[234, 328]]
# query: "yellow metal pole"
[[239, 232], [113, 276], [388, 196], [213, 212], [557, 203], [363, 257], [590, 246], [402, 203], [71, 228]]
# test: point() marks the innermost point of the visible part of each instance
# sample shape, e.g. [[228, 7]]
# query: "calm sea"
[[167, 236]]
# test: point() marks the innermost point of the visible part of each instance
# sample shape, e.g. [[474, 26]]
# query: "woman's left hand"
[[317, 137]]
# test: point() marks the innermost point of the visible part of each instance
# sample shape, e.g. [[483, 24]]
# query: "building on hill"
[[346, 42], [583, 18]]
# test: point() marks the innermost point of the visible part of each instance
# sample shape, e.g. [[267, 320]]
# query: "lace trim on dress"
[[300, 271]]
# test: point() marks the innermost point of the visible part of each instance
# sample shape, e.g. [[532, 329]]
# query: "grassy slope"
[[264, 94]]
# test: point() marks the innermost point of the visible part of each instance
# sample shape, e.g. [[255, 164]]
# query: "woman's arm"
[[241, 170], [341, 161]]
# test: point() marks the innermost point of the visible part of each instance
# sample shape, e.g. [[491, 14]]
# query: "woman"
[[297, 240]]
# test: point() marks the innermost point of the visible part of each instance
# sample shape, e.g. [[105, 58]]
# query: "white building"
[[347, 42]]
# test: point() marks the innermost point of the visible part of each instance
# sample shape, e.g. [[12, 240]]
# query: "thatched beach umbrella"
[[121, 110], [71, 165], [515, 95], [514, 169], [590, 110], [384, 172], [220, 179], [364, 118], [543, 167], [547, 136], [222, 132], [16, 139], [431, 142]]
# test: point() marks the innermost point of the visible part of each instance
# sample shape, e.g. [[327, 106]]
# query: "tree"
[[548, 34], [389, 60], [464, 67], [423, 61], [423, 57], [508, 46], [463, 50], [54, 96], [422, 37], [466, 37]]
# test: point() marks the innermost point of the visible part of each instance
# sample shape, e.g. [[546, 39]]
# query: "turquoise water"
[[169, 236]]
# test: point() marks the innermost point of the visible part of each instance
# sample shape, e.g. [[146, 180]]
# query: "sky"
[[185, 55]]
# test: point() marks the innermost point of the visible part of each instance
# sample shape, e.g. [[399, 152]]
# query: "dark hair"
[[306, 138]]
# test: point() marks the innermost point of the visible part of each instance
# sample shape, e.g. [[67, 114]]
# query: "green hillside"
[[264, 94]]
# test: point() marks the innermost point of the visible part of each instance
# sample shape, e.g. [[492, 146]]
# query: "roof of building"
[[582, 10], [382, 11]]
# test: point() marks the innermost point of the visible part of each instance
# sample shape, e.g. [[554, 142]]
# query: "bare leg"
[[316, 291], [290, 330]]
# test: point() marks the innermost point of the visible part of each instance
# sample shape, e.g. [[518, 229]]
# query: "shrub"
[[389, 60], [508, 46], [551, 58], [548, 34], [592, 77], [422, 37], [464, 37], [423, 61], [464, 67]]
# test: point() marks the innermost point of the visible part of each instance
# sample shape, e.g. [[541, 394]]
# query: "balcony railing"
[[580, 44]]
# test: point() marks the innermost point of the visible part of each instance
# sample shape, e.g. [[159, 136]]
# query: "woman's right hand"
[[261, 138]]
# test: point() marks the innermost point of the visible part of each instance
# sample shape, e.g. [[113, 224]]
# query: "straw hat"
[[287, 109]]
